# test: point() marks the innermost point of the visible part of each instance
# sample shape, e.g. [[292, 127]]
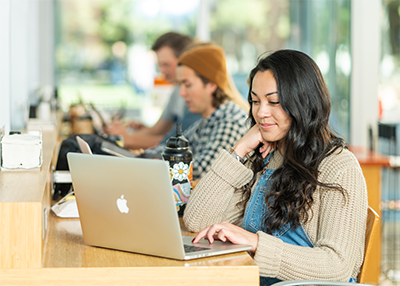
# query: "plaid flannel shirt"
[[208, 136]]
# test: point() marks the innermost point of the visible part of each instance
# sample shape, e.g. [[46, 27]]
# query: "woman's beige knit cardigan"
[[336, 228]]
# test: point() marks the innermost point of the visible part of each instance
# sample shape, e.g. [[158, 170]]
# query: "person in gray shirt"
[[168, 47]]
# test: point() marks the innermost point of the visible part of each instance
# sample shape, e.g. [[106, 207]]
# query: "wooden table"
[[38, 248], [68, 261]]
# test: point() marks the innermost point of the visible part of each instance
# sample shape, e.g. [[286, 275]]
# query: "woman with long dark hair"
[[289, 187]]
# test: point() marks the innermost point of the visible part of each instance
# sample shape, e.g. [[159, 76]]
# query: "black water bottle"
[[180, 159]]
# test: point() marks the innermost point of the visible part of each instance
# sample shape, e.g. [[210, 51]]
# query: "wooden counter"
[[24, 208], [38, 248]]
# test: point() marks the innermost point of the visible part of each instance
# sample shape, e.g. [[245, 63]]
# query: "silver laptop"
[[128, 204]]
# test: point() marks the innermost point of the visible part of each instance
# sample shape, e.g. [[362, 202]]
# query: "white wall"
[[33, 51], [5, 64], [365, 42], [19, 63], [26, 57], [46, 43]]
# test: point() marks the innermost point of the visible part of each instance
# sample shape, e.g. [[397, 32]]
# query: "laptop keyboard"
[[192, 248]]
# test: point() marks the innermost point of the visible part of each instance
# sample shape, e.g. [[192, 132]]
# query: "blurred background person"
[[168, 47]]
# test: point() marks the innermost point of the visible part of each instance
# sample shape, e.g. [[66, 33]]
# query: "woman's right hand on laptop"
[[226, 231]]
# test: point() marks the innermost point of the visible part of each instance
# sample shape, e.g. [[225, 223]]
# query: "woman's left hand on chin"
[[228, 232]]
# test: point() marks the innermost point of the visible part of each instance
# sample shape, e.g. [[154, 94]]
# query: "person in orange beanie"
[[207, 89]]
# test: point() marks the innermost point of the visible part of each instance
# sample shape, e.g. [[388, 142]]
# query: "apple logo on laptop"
[[122, 205]]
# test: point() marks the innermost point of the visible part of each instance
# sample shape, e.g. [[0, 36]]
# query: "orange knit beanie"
[[209, 61]]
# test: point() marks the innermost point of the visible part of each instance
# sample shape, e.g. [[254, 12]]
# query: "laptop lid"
[[115, 150], [84, 146], [128, 204], [106, 147]]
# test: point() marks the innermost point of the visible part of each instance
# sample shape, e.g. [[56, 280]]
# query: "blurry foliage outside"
[[322, 30], [107, 43], [332, 27], [97, 41], [247, 29], [87, 31]]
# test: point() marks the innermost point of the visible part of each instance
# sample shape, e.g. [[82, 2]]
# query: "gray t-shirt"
[[176, 107]]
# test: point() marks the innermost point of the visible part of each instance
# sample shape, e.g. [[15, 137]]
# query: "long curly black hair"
[[304, 96]]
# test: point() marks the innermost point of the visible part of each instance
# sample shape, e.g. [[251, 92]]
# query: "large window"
[[246, 29], [103, 50], [97, 39], [322, 29], [104, 44]]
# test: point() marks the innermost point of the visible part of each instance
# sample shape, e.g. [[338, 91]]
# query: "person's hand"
[[251, 140], [228, 232], [115, 128], [137, 125]]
